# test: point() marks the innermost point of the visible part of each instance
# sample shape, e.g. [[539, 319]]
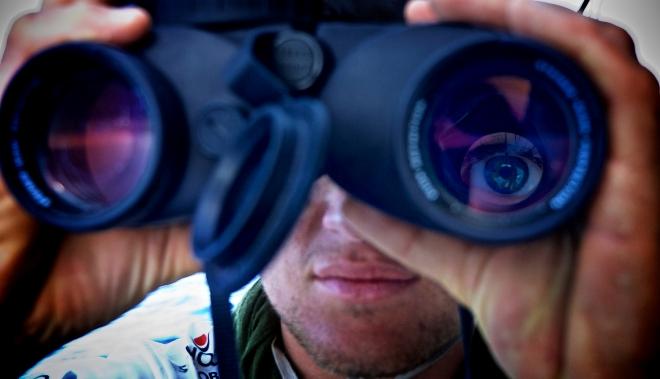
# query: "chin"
[[361, 342], [368, 356]]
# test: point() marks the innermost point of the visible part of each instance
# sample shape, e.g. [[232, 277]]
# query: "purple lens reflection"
[[498, 143], [99, 145]]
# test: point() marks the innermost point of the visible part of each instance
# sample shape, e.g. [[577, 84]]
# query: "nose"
[[348, 243], [333, 216], [334, 199]]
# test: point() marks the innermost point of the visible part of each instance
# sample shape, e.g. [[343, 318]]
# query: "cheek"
[[290, 263], [284, 275]]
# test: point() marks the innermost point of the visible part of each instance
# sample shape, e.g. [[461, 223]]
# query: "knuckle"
[[619, 36], [89, 21], [650, 86], [21, 38], [628, 78], [647, 76], [77, 13], [644, 82], [587, 29], [20, 29], [57, 23]]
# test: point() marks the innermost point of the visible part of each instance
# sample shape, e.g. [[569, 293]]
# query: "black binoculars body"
[[469, 131]]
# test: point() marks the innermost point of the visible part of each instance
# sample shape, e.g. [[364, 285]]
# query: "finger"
[[56, 3], [426, 11], [80, 21], [433, 11], [420, 12], [618, 37], [456, 264], [411, 246], [617, 280]]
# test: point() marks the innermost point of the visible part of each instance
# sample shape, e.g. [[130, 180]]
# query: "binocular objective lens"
[[98, 143], [498, 143]]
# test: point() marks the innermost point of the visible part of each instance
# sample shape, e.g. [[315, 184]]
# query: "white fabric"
[[168, 335]]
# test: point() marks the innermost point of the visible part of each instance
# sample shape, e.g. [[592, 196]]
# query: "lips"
[[360, 271], [362, 281]]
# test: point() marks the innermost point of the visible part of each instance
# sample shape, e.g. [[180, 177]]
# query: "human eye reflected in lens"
[[501, 171]]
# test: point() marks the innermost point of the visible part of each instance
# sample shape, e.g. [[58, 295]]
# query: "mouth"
[[362, 282]]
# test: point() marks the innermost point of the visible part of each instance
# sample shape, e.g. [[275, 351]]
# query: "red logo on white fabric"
[[202, 341]]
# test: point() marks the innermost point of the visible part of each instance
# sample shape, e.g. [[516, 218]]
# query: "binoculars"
[[469, 131]]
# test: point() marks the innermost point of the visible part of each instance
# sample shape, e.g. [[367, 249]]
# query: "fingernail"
[[128, 14], [420, 12]]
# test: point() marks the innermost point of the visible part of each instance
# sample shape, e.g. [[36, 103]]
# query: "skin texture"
[[584, 311]]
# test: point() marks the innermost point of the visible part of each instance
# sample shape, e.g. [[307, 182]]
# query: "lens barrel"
[[480, 134], [99, 141], [94, 137], [82, 135]]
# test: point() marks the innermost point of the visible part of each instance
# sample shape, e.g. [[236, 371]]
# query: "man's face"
[[354, 311]]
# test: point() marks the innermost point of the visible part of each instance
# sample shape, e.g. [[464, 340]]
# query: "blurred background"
[[640, 17]]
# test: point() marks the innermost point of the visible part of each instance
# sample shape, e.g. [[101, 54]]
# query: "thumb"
[[476, 275], [75, 22], [420, 12], [124, 25], [416, 248]]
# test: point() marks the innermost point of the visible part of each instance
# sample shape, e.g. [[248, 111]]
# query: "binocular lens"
[[83, 136], [98, 141], [498, 143]]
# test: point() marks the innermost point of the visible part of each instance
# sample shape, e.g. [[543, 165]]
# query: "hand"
[[95, 276], [553, 308]]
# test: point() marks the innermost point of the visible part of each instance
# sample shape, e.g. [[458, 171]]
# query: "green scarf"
[[257, 326]]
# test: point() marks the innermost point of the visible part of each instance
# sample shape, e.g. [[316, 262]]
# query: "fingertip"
[[129, 23], [363, 223], [420, 12], [128, 15], [355, 214], [393, 238]]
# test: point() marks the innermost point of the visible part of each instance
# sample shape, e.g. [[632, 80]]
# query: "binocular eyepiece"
[[477, 133]]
